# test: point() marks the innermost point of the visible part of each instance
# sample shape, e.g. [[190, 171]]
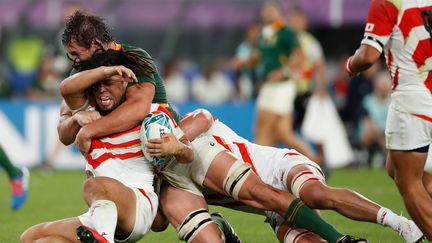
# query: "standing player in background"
[[402, 29], [19, 179], [280, 58]]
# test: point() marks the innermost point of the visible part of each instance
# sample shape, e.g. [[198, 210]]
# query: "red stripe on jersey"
[[148, 198], [428, 82], [292, 154], [426, 118], [137, 128], [166, 111], [106, 156], [245, 155], [382, 16], [422, 52], [220, 141], [396, 78], [100, 144]]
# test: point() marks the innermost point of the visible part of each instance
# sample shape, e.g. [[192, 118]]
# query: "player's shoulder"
[[128, 47], [380, 4]]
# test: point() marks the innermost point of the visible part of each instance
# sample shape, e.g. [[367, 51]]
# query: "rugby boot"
[[350, 239], [89, 235], [19, 187], [410, 232]]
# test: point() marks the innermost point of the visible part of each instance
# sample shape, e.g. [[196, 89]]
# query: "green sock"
[[222, 225], [11, 170], [302, 216]]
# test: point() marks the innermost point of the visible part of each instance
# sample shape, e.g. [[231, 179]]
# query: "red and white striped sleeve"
[[382, 17]]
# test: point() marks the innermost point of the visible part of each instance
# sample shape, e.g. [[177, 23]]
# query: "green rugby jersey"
[[276, 50], [160, 93]]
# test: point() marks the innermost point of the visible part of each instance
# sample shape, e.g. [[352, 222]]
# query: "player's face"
[[77, 53], [108, 95], [270, 14]]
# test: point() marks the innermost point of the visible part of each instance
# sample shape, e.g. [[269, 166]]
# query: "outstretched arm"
[[195, 123]]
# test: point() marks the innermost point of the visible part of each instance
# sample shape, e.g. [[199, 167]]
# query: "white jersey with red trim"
[[397, 28], [264, 160], [119, 156]]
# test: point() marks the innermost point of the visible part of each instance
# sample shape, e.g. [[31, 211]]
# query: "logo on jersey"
[[369, 27]]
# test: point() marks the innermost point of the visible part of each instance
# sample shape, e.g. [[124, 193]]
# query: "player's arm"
[[69, 125], [196, 123], [73, 88], [382, 17]]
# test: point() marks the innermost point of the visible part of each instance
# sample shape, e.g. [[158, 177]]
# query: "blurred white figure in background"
[[176, 85]]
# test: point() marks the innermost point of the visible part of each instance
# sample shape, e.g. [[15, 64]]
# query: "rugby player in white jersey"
[[232, 177], [402, 30], [288, 170], [119, 190]]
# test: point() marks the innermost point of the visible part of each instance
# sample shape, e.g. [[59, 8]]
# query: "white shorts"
[[277, 97], [405, 131], [190, 177], [146, 209]]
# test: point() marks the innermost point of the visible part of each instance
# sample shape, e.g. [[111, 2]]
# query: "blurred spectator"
[[51, 72], [246, 78], [213, 86], [176, 84], [314, 67], [23, 57], [340, 85], [372, 125]]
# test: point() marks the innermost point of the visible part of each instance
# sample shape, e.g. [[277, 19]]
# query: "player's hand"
[[119, 73], [85, 117], [83, 141], [166, 146]]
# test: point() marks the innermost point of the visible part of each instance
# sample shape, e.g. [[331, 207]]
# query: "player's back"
[[119, 156], [397, 27]]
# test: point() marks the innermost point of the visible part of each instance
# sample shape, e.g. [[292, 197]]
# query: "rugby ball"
[[155, 125]]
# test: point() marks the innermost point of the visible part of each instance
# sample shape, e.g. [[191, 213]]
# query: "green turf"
[[57, 195]]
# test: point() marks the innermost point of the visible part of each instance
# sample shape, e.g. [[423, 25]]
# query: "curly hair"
[[84, 28], [131, 59]]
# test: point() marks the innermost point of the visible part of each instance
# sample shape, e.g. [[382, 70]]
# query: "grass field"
[[58, 194]]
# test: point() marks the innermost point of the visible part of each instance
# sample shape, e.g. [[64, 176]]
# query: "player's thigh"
[[408, 166], [188, 214], [176, 204], [111, 189], [65, 228]]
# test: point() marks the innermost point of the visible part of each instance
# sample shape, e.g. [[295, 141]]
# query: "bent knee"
[[317, 196], [33, 233]]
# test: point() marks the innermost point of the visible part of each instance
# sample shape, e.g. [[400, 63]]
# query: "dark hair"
[[84, 28], [131, 59]]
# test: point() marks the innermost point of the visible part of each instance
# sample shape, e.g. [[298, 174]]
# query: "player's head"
[[109, 94], [85, 34], [297, 20], [270, 12]]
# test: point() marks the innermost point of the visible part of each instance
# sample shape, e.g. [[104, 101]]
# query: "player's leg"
[[408, 174], [287, 233], [264, 128], [19, 179], [112, 207], [55, 231], [227, 175], [188, 214], [308, 183], [287, 135]]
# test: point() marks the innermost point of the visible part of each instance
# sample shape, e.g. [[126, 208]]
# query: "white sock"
[[103, 214], [387, 218]]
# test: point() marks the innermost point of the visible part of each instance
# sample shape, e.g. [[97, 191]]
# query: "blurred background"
[[196, 45]]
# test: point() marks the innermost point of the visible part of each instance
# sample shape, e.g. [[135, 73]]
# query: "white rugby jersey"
[[263, 159], [119, 156], [396, 27]]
